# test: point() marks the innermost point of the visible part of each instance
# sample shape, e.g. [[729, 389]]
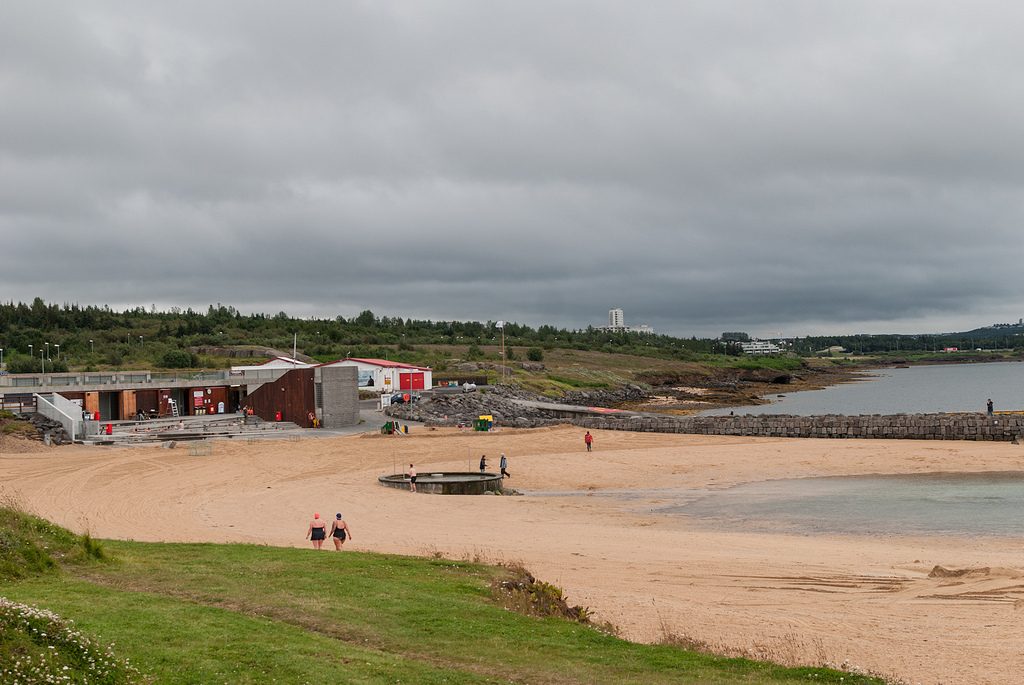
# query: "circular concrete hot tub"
[[448, 483]]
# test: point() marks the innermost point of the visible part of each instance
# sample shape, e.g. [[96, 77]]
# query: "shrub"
[[178, 359], [535, 354]]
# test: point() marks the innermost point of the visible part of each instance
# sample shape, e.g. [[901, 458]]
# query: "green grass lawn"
[[197, 613]]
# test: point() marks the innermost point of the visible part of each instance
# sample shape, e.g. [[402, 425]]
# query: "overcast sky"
[[773, 167]]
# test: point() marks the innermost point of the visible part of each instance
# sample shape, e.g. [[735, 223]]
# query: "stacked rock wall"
[[892, 427]]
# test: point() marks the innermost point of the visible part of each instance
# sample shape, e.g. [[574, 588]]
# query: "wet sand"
[[867, 601]]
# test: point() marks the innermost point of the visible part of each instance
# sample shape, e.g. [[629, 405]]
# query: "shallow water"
[[963, 504], [918, 389]]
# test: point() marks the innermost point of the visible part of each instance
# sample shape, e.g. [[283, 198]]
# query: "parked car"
[[399, 398]]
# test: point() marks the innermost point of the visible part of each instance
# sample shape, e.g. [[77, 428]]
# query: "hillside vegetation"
[[197, 613], [98, 338]]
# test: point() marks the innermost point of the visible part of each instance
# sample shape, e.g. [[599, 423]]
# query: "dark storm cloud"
[[789, 167]]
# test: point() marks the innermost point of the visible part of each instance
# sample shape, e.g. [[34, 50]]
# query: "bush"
[[34, 365], [535, 354], [178, 359]]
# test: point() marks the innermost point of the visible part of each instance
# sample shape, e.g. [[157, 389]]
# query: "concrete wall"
[[339, 386], [894, 427]]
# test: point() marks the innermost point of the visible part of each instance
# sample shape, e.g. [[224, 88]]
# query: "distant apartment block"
[[617, 324], [760, 347]]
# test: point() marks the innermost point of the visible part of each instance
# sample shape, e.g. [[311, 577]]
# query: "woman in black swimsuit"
[[316, 532], [339, 531]]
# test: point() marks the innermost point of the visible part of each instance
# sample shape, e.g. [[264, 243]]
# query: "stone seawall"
[[893, 427]]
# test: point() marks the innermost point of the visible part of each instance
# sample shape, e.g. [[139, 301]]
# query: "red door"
[[410, 381]]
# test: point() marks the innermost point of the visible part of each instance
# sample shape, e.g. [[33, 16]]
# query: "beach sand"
[[867, 601]]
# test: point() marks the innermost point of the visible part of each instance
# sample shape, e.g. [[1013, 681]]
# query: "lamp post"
[[47, 350], [140, 341], [1, 358], [90, 347], [57, 345], [42, 361], [30, 352]]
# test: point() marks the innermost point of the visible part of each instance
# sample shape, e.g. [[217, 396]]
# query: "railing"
[[35, 380], [19, 404], [63, 411]]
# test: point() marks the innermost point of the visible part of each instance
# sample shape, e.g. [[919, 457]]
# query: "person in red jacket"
[[589, 439]]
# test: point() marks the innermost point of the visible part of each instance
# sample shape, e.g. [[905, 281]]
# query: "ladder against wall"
[[173, 404]]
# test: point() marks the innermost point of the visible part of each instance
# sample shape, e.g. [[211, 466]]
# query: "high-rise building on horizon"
[[617, 324]]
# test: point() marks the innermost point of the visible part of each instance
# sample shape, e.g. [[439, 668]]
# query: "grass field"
[[200, 613]]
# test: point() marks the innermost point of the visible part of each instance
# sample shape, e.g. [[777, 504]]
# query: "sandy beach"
[[867, 601]]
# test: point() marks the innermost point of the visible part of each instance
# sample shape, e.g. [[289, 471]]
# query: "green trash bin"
[[481, 425]]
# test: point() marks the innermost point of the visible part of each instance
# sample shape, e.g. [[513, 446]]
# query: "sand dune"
[[874, 602]]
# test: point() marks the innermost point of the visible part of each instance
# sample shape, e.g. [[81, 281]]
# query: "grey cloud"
[[707, 166]]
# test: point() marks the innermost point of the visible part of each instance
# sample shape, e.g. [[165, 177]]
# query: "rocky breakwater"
[[462, 408], [604, 397], [501, 402], [891, 427]]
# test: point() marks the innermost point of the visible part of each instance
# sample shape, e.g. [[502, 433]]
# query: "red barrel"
[[277, 416], [96, 416], [110, 429]]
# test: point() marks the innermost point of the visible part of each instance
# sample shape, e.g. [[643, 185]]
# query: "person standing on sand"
[[411, 473], [316, 532], [589, 440], [989, 406], [483, 463], [339, 530], [504, 467]]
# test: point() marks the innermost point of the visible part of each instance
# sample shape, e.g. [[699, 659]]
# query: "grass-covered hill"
[[200, 613]]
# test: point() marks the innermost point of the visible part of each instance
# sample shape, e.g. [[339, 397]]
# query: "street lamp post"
[[91, 350], [47, 350], [140, 341], [31, 353], [1, 358], [42, 361], [57, 345]]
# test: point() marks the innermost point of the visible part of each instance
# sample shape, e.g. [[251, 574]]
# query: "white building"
[[387, 376], [617, 324], [760, 347]]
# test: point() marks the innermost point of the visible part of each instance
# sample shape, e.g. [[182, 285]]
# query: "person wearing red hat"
[[316, 532]]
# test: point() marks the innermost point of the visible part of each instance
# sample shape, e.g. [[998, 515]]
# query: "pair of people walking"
[[502, 464], [339, 532]]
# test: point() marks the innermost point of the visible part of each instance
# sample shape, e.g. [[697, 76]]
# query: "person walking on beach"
[[504, 467], [411, 473], [339, 531], [483, 463], [316, 532], [989, 406], [589, 440]]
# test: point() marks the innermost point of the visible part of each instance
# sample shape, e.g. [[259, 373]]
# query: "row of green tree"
[[100, 336], [90, 336]]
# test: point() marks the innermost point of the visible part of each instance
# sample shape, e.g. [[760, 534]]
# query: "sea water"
[[915, 390], [963, 504]]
